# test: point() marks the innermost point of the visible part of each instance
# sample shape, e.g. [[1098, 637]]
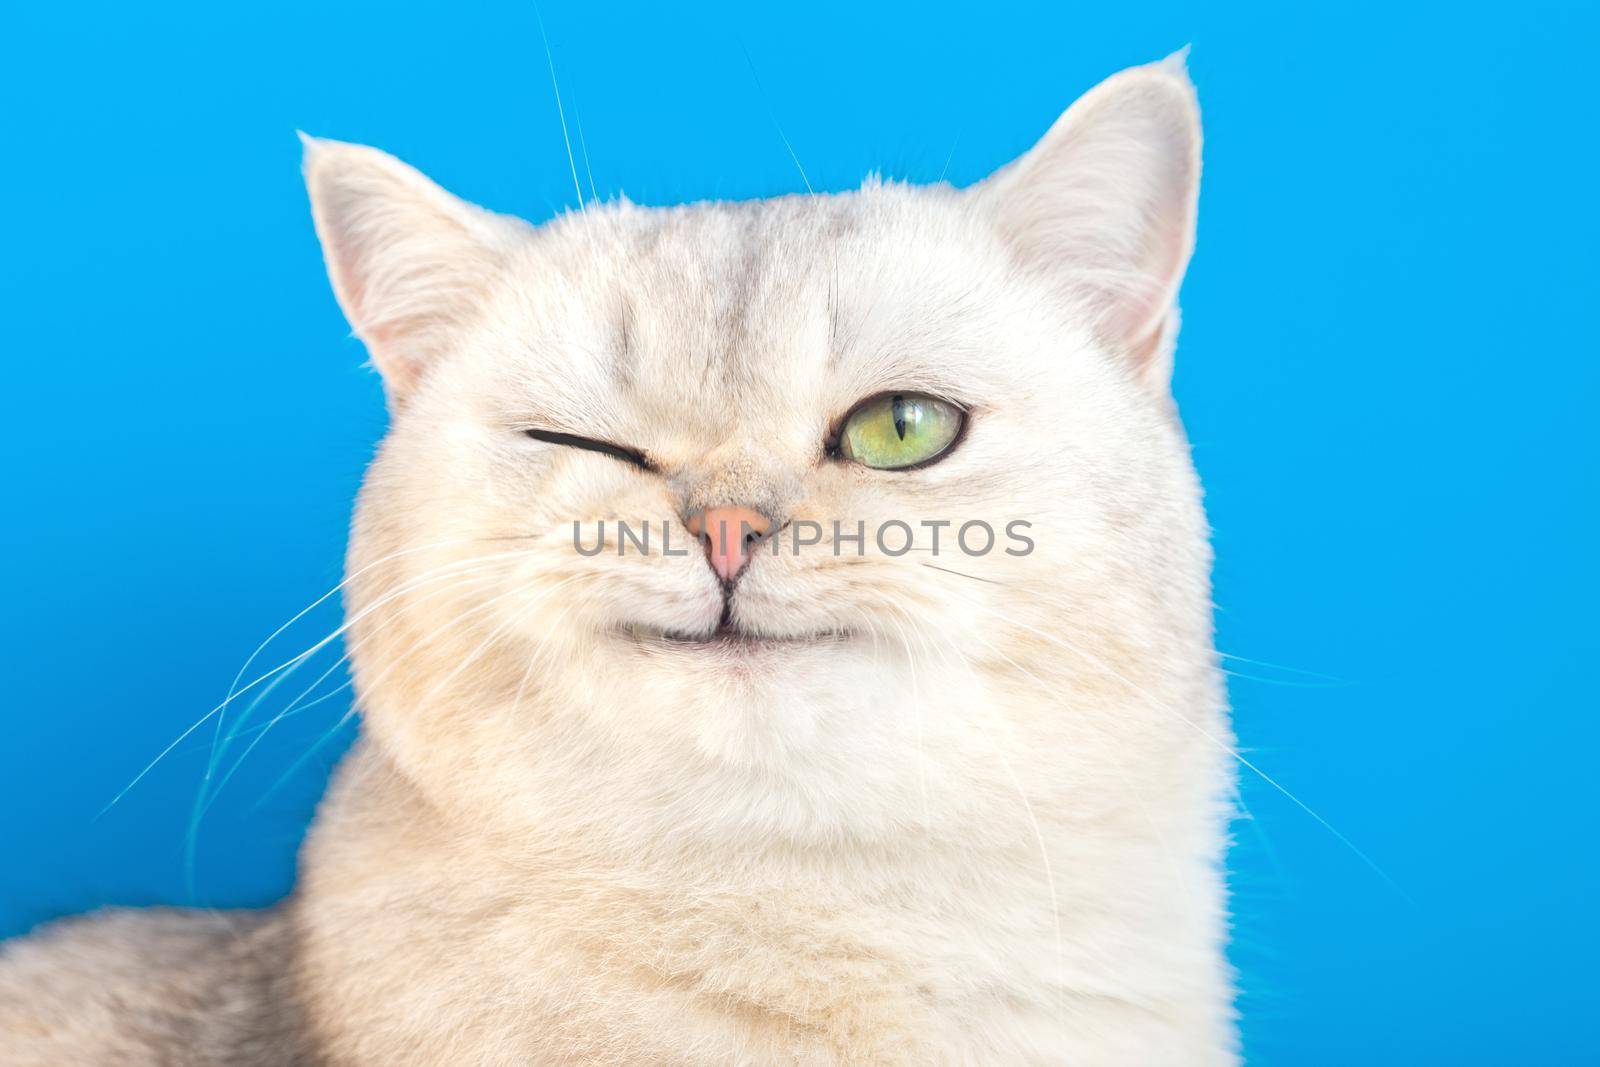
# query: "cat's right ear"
[[407, 260]]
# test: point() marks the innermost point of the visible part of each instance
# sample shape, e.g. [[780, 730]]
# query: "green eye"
[[899, 430]]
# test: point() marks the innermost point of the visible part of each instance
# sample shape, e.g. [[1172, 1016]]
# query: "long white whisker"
[[445, 571], [1224, 746], [489, 640], [561, 112], [206, 796], [946, 168], [294, 705], [303, 612], [349, 714], [583, 143], [1144, 807], [773, 114], [1326, 680], [288, 663]]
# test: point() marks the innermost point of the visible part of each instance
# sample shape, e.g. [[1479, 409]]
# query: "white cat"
[[771, 802]]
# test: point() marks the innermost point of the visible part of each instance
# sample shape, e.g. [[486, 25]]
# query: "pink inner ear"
[[1105, 204], [406, 258]]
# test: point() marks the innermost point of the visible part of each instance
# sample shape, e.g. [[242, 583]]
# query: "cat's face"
[[710, 356]]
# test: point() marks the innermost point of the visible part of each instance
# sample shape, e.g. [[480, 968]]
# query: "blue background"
[[1388, 369]]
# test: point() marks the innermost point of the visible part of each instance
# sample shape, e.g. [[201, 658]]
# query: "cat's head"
[[896, 357]]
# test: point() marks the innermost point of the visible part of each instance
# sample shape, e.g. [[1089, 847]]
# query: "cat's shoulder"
[[148, 986]]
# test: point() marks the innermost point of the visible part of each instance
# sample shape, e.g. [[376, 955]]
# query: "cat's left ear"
[[1104, 207]]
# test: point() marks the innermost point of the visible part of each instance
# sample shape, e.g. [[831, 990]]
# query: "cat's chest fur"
[[759, 961], [417, 947]]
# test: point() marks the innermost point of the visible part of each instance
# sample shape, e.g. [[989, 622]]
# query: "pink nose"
[[730, 535]]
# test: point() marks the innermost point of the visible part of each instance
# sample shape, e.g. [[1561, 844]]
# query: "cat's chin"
[[727, 639]]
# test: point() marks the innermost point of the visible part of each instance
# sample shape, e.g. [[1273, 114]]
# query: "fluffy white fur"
[[960, 818]]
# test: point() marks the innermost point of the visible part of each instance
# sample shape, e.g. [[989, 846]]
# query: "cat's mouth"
[[727, 637]]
